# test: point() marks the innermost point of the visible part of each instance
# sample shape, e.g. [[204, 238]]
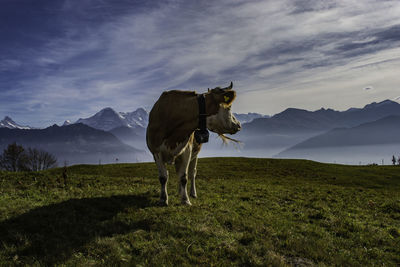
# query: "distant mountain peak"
[[290, 112], [108, 119], [139, 117], [9, 123], [352, 109], [380, 104], [325, 111], [107, 112], [388, 101], [107, 109], [142, 110]]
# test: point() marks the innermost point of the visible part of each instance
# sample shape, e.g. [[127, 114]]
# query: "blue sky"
[[66, 59]]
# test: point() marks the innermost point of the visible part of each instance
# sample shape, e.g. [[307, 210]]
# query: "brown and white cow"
[[170, 132]]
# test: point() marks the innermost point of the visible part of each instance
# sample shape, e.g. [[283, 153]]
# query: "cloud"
[[124, 54], [9, 65]]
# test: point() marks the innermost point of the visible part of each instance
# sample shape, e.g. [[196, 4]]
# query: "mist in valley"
[[278, 146], [350, 155]]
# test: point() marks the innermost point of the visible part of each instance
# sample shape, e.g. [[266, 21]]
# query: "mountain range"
[[108, 119], [105, 136], [293, 126], [299, 120], [291, 133]]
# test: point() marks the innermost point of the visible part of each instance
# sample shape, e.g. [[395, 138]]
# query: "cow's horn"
[[230, 86]]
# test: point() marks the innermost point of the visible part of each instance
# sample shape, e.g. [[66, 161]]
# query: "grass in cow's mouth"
[[225, 139], [248, 212]]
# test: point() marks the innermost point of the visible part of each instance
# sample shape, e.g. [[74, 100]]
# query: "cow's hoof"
[[163, 203], [186, 202], [193, 195]]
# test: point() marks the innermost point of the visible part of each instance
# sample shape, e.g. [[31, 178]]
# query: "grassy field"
[[249, 212]]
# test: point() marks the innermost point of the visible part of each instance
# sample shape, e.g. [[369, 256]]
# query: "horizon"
[[73, 121], [62, 60]]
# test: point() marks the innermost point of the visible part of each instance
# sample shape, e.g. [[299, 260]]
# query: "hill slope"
[[133, 136], [248, 212], [73, 143], [379, 139]]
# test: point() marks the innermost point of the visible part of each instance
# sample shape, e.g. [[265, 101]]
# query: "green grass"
[[249, 212]]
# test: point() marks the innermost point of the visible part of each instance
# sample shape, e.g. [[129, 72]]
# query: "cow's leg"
[[193, 168], [163, 177], [181, 166], [192, 176]]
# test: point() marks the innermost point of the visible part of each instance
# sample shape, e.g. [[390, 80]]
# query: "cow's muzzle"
[[236, 128]]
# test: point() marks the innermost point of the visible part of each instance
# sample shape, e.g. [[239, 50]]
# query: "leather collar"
[[201, 134]]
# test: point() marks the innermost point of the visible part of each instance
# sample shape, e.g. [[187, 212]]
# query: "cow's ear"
[[228, 97]]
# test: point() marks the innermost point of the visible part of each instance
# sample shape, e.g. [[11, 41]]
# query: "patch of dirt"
[[298, 262]]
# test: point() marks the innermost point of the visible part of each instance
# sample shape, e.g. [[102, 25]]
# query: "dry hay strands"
[[225, 140]]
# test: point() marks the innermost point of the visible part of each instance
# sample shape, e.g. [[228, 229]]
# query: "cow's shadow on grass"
[[50, 234]]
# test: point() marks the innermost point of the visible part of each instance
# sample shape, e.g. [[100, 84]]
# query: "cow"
[[173, 135]]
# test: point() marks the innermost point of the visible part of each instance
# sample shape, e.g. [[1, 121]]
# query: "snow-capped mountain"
[[66, 123], [139, 117], [7, 122], [108, 119]]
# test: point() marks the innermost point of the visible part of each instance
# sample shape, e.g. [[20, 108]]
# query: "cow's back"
[[167, 115]]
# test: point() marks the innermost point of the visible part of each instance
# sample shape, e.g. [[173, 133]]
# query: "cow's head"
[[220, 101]]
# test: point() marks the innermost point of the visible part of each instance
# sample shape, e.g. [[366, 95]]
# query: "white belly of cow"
[[169, 154]]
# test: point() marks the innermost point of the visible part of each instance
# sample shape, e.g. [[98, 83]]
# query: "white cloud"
[[278, 53]]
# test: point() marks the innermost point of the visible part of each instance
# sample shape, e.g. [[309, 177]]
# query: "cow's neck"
[[191, 113], [211, 105], [187, 119]]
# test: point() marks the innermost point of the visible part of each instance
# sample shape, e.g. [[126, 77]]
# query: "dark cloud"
[[389, 34], [303, 6], [380, 39]]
